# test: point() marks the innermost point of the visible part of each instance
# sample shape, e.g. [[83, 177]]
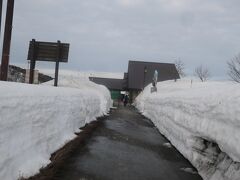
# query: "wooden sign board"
[[48, 51]]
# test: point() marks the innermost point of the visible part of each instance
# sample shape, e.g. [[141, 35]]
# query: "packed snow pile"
[[202, 120], [84, 74], [80, 80], [37, 120]]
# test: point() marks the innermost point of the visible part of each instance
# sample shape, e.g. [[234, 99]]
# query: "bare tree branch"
[[202, 73], [180, 66], [234, 68]]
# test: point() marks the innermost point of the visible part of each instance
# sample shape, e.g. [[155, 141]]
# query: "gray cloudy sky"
[[105, 34]]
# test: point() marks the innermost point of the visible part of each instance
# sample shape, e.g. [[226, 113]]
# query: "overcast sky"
[[105, 34]]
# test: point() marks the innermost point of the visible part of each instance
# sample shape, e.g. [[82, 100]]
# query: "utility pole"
[[7, 40], [1, 2]]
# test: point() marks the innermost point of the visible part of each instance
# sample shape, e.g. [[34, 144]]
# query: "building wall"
[[115, 94], [133, 94], [140, 74]]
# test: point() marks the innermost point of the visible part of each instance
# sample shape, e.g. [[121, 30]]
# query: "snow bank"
[[83, 74], [202, 120], [80, 80], [36, 120]]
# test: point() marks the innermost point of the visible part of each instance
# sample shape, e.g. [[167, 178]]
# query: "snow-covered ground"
[[36, 120], [83, 74], [202, 120]]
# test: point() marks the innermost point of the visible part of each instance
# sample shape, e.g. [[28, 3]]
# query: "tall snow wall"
[[202, 120], [37, 120]]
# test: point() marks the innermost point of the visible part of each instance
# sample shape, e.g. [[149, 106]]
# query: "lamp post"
[[7, 40]]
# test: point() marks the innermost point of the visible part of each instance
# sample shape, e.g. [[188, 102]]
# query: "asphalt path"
[[127, 146]]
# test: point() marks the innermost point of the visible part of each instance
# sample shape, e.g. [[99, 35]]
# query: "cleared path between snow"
[[127, 146]]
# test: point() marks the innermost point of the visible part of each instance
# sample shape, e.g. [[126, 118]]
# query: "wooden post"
[[7, 40], [57, 64], [32, 62], [1, 2], [56, 73], [32, 68]]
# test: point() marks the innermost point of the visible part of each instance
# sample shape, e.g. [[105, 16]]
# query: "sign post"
[[57, 65], [47, 51], [32, 62]]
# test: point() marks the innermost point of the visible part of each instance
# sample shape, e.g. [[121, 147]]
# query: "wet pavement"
[[127, 146]]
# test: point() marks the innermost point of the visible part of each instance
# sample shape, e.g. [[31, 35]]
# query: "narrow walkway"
[[127, 146]]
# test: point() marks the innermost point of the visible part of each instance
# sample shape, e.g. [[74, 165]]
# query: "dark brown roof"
[[112, 84], [139, 75], [138, 78]]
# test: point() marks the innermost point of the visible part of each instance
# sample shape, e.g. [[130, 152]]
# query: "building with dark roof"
[[139, 75], [112, 84]]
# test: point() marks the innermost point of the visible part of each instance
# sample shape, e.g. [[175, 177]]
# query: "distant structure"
[[139, 75], [17, 74]]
